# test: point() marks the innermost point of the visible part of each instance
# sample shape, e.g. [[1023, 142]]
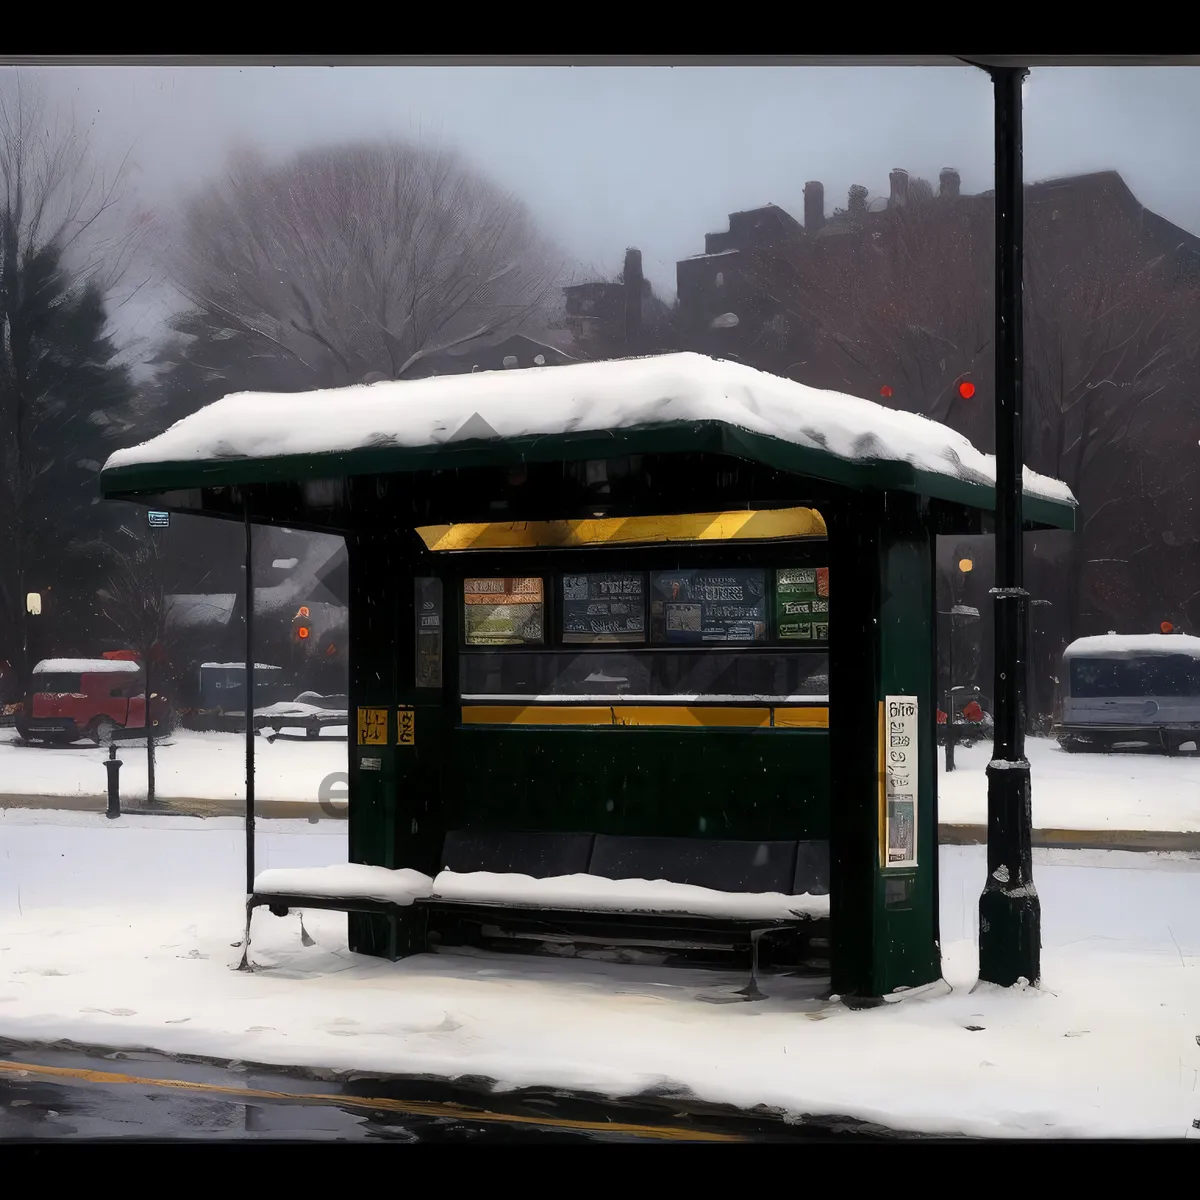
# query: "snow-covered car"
[[73, 698], [1130, 690]]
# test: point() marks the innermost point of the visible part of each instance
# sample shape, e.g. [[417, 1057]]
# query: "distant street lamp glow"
[[966, 566]]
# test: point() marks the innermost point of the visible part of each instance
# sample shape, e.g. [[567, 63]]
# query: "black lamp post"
[[1010, 913]]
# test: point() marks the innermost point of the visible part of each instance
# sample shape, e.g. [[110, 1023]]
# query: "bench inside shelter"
[[666, 892]]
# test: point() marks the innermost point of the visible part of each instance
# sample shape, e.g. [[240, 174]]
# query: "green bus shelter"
[[591, 639]]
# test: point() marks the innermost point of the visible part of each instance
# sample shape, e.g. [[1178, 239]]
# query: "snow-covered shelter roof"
[[1133, 645], [666, 403], [189, 610], [86, 666]]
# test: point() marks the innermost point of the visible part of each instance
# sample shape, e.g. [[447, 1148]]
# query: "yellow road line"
[[418, 1108]]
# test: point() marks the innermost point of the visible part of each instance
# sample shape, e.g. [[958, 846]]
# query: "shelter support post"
[[1009, 909], [883, 834], [249, 705], [394, 795], [248, 710]]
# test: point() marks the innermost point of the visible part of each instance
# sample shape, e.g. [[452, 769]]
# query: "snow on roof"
[[1134, 644], [86, 666], [626, 394], [188, 609]]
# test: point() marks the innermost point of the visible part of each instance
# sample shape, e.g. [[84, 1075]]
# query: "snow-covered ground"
[[124, 934], [187, 766], [1070, 791], [1080, 791]]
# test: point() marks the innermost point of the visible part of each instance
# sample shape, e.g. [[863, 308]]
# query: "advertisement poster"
[[900, 722], [504, 612], [428, 605], [609, 607], [694, 607], [802, 604]]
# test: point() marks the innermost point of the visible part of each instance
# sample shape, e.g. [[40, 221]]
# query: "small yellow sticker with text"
[[406, 728], [372, 726]]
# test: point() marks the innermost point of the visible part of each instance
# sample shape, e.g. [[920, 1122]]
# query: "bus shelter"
[[599, 686]]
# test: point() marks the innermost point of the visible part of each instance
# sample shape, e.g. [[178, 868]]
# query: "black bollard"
[[113, 767]]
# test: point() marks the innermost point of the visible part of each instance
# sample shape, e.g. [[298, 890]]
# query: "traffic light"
[[302, 624]]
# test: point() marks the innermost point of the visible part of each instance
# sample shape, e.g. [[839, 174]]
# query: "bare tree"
[[63, 247], [134, 600], [357, 261]]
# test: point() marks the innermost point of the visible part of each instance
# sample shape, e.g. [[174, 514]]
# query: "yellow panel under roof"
[[739, 525]]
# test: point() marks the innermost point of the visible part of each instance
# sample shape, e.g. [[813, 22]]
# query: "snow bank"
[[594, 893], [1134, 643], [345, 881], [86, 666], [582, 397]]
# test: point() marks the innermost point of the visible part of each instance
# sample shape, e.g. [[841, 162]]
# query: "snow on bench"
[[595, 893], [346, 881]]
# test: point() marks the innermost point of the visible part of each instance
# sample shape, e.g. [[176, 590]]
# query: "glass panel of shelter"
[[678, 635]]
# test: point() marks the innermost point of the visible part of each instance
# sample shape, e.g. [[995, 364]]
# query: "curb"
[[185, 807], [1134, 840]]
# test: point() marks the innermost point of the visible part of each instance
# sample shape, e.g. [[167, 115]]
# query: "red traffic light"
[[966, 389], [1167, 627], [302, 632], [885, 391]]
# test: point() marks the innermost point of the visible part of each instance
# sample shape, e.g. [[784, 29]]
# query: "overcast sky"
[[655, 157]]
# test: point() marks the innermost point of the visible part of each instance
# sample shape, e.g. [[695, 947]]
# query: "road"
[[50, 1094]]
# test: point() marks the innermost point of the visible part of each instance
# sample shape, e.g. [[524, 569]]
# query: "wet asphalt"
[[49, 1094]]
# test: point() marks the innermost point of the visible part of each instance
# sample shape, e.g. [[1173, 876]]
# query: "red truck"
[[73, 698]]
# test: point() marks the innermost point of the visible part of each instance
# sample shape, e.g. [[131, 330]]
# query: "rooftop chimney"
[[634, 282], [814, 206], [949, 183], [856, 204], [899, 193]]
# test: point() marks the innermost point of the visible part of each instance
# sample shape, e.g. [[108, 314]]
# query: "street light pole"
[[1010, 913], [950, 687]]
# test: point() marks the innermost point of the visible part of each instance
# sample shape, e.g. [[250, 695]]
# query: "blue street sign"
[[159, 520]]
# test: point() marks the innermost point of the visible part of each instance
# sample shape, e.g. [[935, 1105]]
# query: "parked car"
[[1140, 691], [97, 698]]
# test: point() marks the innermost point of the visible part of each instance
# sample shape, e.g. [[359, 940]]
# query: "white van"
[[1130, 690]]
